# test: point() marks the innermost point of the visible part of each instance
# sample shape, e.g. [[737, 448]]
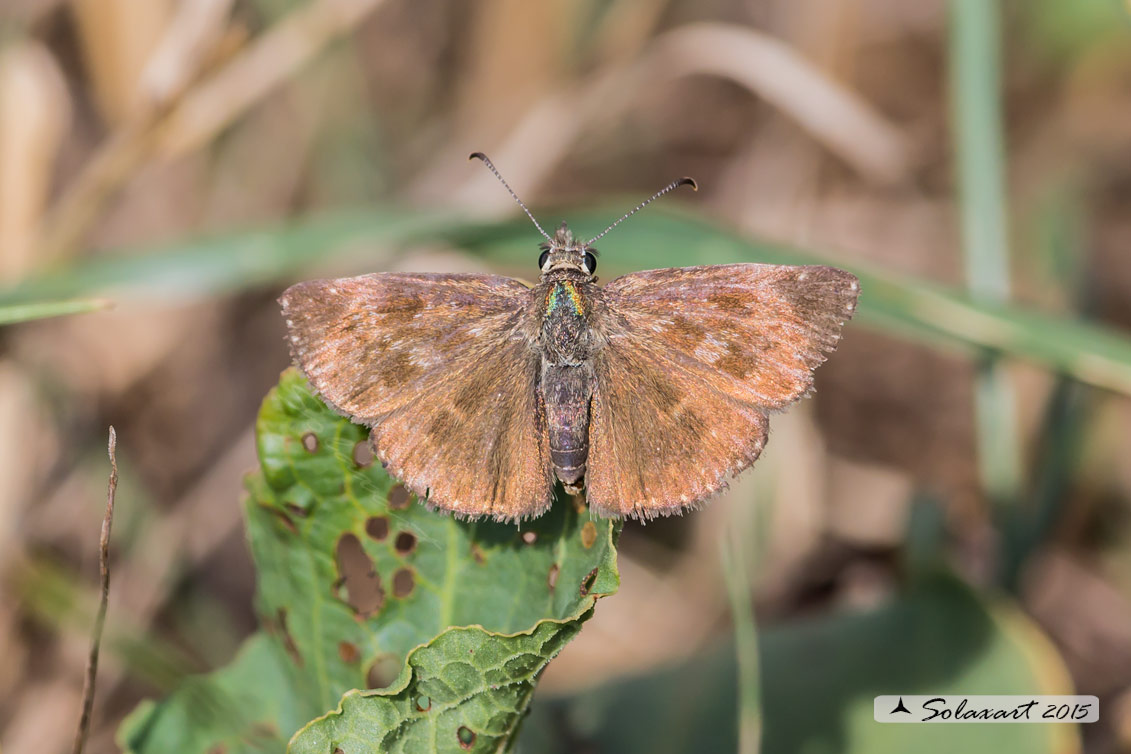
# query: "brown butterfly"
[[648, 393]]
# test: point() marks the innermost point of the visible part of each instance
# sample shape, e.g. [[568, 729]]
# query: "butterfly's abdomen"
[[566, 392]]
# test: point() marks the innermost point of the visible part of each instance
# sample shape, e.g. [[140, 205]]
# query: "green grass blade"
[[736, 576], [977, 124], [13, 313], [914, 309]]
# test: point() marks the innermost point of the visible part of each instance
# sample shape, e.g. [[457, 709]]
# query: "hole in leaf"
[[466, 737], [362, 454], [383, 671], [288, 640], [399, 497], [363, 584], [587, 584], [588, 534], [348, 651], [405, 542], [552, 577], [338, 750], [377, 527], [403, 582], [310, 442], [530, 537], [285, 520], [423, 704]]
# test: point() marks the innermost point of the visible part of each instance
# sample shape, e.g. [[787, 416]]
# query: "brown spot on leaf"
[[362, 454], [285, 520], [363, 584], [264, 730], [377, 527], [552, 576], [404, 580], [348, 651], [530, 537], [587, 583], [310, 442], [477, 553], [288, 640], [399, 497], [296, 510], [466, 737], [383, 671], [405, 542], [588, 534]]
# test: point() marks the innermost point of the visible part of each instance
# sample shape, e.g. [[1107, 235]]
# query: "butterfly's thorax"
[[567, 375]]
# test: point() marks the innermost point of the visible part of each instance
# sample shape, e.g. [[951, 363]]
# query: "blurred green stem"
[[977, 127], [737, 579]]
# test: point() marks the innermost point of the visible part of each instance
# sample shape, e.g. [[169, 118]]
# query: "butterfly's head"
[[563, 252]]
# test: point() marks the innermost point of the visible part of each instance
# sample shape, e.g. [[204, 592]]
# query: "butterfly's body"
[[566, 384]]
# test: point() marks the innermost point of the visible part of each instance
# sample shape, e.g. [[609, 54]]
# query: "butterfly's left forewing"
[[442, 368], [688, 364]]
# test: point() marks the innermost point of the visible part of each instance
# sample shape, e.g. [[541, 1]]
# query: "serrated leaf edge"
[[405, 678]]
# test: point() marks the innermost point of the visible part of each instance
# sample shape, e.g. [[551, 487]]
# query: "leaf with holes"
[[464, 691], [353, 575]]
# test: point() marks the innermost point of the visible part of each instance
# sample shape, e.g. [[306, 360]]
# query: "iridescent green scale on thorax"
[[565, 295]]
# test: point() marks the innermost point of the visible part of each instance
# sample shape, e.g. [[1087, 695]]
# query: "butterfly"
[[647, 393]]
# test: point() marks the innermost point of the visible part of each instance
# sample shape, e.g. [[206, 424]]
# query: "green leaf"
[[246, 707], [221, 264], [465, 691], [353, 575], [819, 678], [12, 313]]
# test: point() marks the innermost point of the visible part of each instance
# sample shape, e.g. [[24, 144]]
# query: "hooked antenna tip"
[[477, 156], [686, 181]]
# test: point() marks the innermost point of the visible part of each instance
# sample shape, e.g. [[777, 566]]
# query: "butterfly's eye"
[[542, 259], [590, 262]]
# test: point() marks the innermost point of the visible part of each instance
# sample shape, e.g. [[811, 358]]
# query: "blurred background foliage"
[[949, 513]]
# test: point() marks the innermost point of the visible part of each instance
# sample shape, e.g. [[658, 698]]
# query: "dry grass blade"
[[832, 113], [272, 60], [193, 116], [100, 619]]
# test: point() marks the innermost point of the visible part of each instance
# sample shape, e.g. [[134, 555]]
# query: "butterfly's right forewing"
[[443, 369], [689, 363]]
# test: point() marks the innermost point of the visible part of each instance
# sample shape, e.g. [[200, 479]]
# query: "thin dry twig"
[[100, 619]]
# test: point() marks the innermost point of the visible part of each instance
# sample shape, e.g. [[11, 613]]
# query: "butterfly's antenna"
[[670, 187], [491, 167]]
